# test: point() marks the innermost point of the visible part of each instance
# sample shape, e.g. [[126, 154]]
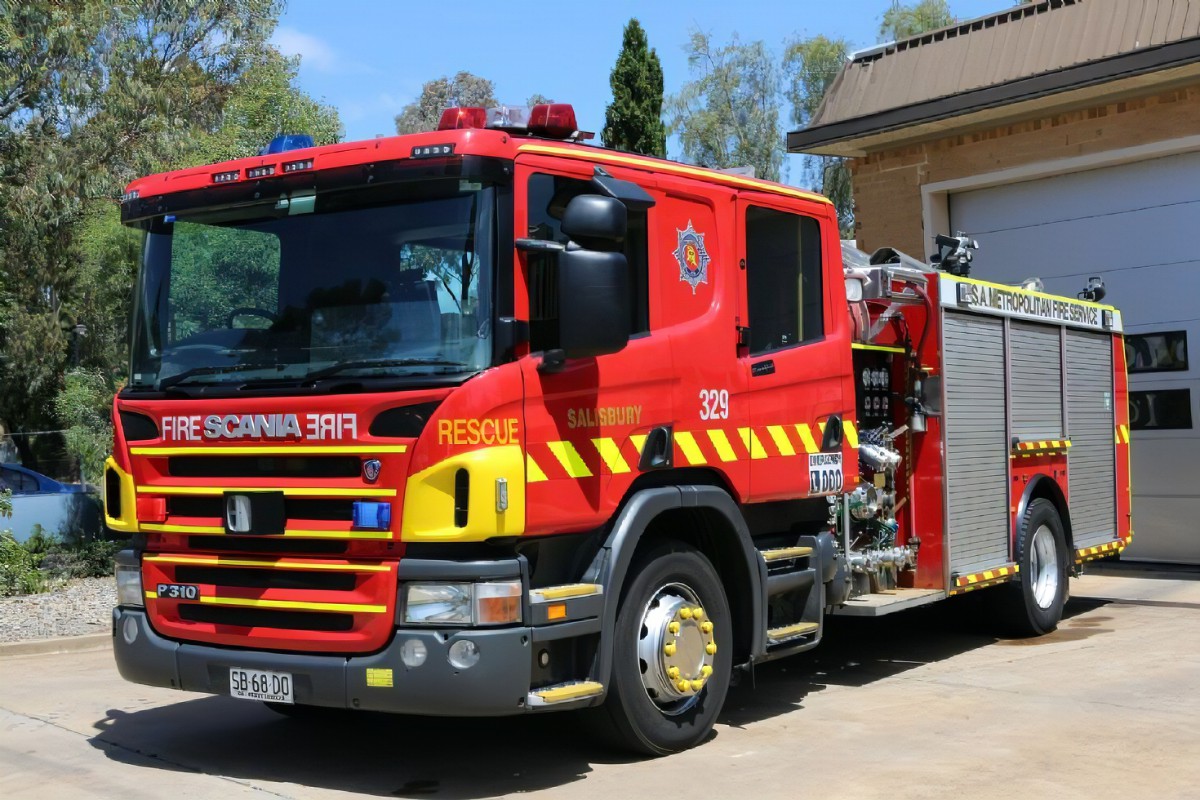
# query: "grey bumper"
[[497, 685]]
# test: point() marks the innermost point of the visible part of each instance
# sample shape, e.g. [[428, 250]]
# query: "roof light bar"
[[553, 120], [463, 117]]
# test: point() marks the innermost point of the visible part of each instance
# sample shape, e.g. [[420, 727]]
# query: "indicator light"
[[261, 172], [226, 177], [297, 166]]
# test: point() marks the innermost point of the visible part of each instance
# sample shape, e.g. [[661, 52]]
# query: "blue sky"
[[368, 58]]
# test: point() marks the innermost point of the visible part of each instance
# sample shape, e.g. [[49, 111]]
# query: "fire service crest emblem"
[[692, 257]]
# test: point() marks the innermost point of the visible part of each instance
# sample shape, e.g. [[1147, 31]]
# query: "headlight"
[[129, 585], [490, 603]]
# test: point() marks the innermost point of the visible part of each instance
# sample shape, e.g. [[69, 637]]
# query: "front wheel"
[[671, 653], [1033, 604]]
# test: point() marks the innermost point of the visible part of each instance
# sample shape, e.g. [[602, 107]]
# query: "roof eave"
[[847, 137]]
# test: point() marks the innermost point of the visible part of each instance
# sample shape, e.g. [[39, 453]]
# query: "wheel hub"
[[1044, 562], [677, 646]]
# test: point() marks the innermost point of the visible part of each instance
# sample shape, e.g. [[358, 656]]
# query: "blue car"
[[20, 481]]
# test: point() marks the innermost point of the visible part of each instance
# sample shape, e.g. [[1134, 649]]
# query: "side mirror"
[[596, 222], [593, 302]]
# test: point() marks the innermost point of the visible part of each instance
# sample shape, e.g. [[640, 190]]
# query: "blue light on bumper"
[[372, 515]]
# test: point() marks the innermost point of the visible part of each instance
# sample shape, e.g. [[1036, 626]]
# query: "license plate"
[[260, 684]]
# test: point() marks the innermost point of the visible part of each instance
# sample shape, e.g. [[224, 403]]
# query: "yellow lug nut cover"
[[685, 613], [697, 685], [698, 613], [683, 685], [710, 648], [673, 627], [669, 648], [706, 627], [673, 673], [705, 671]]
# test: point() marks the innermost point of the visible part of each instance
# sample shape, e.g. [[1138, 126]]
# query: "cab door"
[[796, 351]]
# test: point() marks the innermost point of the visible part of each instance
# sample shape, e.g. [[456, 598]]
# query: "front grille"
[[266, 578], [296, 508], [266, 618], [260, 544], [263, 467]]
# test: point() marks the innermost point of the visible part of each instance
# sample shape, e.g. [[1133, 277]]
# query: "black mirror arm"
[[539, 246]]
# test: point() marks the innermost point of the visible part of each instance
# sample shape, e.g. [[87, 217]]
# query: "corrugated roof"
[[1009, 46]]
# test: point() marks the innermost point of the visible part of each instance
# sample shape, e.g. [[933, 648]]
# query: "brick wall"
[[887, 184]]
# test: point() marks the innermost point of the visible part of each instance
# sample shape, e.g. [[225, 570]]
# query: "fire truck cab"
[[487, 421]]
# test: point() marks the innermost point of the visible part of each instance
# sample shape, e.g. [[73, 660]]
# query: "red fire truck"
[[488, 421]]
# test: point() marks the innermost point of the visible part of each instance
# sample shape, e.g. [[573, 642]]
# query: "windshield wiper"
[[369, 363], [174, 380]]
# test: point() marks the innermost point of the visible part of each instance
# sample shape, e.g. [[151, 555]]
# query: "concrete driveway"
[[913, 706]]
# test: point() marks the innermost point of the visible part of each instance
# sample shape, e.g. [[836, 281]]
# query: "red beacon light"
[[463, 117], [550, 120]]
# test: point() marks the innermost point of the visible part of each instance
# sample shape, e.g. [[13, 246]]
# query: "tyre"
[[1033, 604], [672, 653]]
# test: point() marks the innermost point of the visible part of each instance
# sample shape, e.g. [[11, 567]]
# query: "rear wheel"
[[671, 653], [1033, 604]]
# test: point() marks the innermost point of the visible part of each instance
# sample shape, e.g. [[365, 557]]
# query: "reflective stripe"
[[206, 530], [219, 561], [612, 455], [269, 450], [691, 450], [247, 602], [753, 445], [851, 433], [721, 442], [1125, 433], [781, 440], [570, 459], [290, 491], [639, 442], [806, 438], [533, 472]]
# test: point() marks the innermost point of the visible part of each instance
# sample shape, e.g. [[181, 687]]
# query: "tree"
[[537, 99], [810, 67], [728, 115], [464, 89], [633, 120], [903, 21]]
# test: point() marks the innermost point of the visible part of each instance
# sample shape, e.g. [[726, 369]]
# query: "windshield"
[[308, 287]]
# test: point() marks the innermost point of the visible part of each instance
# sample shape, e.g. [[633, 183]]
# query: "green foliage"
[[84, 406], [464, 89], [19, 572], [90, 559], [810, 67], [902, 21], [728, 114], [92, 94], [633, 121]]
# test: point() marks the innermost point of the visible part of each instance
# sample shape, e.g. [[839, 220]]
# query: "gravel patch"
[[78, 607]]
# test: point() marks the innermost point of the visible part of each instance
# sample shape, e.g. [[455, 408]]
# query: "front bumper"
[[497, 685]]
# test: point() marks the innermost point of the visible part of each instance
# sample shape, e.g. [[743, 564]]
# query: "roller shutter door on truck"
[[1090, 421], [976, 446], [1037, 396]]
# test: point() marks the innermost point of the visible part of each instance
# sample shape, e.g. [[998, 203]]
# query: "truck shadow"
[[392, 756]]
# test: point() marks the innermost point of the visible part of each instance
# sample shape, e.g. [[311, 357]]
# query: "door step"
[[564, 693], [785, 553], [777, 635]]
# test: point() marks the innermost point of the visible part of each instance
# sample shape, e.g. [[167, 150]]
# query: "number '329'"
[[714, 404]]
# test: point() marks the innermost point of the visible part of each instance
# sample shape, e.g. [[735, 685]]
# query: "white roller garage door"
[[1137, 226]]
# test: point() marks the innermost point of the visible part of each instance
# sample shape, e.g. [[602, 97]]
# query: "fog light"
[[413, 652], [129, 630], [129, 585], [464, 654]]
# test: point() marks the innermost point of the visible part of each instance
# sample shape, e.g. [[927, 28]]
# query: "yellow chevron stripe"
[[721, 442], [570, 459], [289, 491], [246, 602], [533, 473], [851, 433], [691, 450], [1125, 433], [611, 454], [751, 441], [269, 450], [779, 436], [219, 561], [806, 438], [639, 441]]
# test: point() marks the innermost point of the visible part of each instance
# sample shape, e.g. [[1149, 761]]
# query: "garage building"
[[1064, 136]]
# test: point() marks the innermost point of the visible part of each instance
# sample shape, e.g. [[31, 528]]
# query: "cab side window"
[[783, 277], [548, 198]]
